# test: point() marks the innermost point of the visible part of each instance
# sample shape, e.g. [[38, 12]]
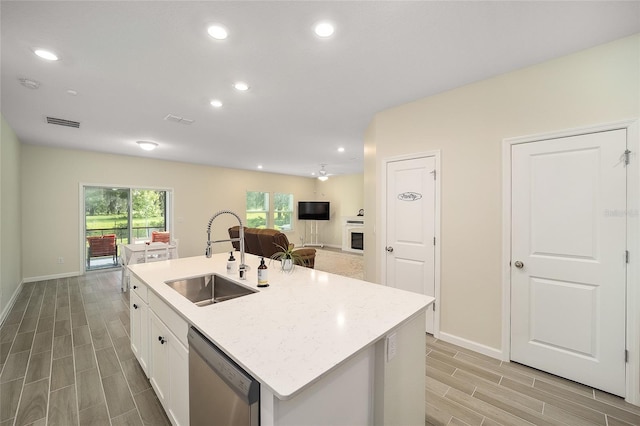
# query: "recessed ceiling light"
[[72, 92], [147, 145], [341, 149], [324, 29], [218, 32], [260, 166], [45, 54], [241, 85], [216, 103]]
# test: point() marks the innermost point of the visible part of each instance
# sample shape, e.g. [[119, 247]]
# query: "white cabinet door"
[[159, 374], [179, 383], [169, 373], [139, 330]]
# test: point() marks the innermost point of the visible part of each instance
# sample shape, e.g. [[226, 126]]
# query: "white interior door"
[[568, 272], [411, 227]]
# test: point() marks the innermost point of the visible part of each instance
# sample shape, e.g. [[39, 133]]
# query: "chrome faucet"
[[243, 268]]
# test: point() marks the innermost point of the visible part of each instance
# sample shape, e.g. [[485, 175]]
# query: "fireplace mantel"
[[353, 225]]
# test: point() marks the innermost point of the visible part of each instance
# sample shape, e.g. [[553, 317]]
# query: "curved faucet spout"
[[243, 267]]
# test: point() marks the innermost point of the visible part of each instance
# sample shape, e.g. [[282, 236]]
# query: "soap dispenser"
[[231, 264], [262, 274]]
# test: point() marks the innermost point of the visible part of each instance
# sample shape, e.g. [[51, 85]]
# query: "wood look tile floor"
[[65, 359], [467, 388]]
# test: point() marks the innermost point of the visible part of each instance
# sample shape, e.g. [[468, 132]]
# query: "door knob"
[[390, 249], [519, 264]]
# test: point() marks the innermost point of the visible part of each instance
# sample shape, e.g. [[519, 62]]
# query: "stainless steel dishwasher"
[[220, 392]]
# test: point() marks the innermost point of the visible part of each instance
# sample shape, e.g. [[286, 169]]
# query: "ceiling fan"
[[322, 173]]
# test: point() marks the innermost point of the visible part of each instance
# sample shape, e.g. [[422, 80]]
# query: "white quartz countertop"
[[292, 333]]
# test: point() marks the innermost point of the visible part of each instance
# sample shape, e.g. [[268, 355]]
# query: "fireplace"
[[353, 234], [357, 240]]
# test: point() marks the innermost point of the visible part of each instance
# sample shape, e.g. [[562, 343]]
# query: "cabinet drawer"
[[172, 320], [140, 288]]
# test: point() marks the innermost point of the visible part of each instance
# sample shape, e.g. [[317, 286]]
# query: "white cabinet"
[[169, 373], [159, 375], [139, 331], [139, 323], [179, 383], [159, 342]]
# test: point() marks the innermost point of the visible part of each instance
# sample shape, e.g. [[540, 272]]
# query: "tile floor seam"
[[24, 378], [562, 397], [51, 361], [135, 404], [117, 357], [18, 327], [95, 358], [73, 352], [456, 403]]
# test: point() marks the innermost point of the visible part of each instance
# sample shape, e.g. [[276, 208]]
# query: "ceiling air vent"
[[62, 122]]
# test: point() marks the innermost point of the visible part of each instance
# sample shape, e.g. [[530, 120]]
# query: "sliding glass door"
[[116, 216]]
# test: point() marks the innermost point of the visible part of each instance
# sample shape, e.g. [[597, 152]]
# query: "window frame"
[[266, 203], [270, 213], [290, 211]]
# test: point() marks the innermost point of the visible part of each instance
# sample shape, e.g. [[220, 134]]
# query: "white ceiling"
[[134, 62]]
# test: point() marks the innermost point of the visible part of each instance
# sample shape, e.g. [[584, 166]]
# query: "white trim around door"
[[382, 236], [633, 244]]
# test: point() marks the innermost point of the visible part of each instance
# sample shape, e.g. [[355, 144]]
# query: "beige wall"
[[346, 194], [468, 125], [10, 240], [52, 222]]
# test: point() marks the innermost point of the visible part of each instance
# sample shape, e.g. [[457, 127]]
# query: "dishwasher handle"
[[242, 383]]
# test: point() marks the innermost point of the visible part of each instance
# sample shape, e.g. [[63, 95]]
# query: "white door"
[[411, 227], [568, 258]]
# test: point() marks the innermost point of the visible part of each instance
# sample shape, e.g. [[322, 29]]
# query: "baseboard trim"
[[52, 277], [12, 301], [471, 345]]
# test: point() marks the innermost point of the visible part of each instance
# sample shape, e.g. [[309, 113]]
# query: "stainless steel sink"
[[208, 289]]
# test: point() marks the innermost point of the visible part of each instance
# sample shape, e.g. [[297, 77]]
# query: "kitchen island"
[[326, 349]]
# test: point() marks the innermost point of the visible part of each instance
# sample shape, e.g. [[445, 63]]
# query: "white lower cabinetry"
[[139, 330], [159, 375], [163, 355], [169, 371]]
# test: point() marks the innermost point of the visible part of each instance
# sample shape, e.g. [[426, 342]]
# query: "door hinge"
[[433, 172], [434, 306], [434, 241], [626, 157], [626, 355], [626, 256]]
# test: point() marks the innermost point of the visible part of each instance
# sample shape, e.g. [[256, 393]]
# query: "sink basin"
[[208, 289]]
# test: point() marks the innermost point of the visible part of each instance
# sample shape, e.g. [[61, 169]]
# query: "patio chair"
[[160, 237], [102, 246]]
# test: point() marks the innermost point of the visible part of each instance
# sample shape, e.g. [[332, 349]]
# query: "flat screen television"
[[313, 210]]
